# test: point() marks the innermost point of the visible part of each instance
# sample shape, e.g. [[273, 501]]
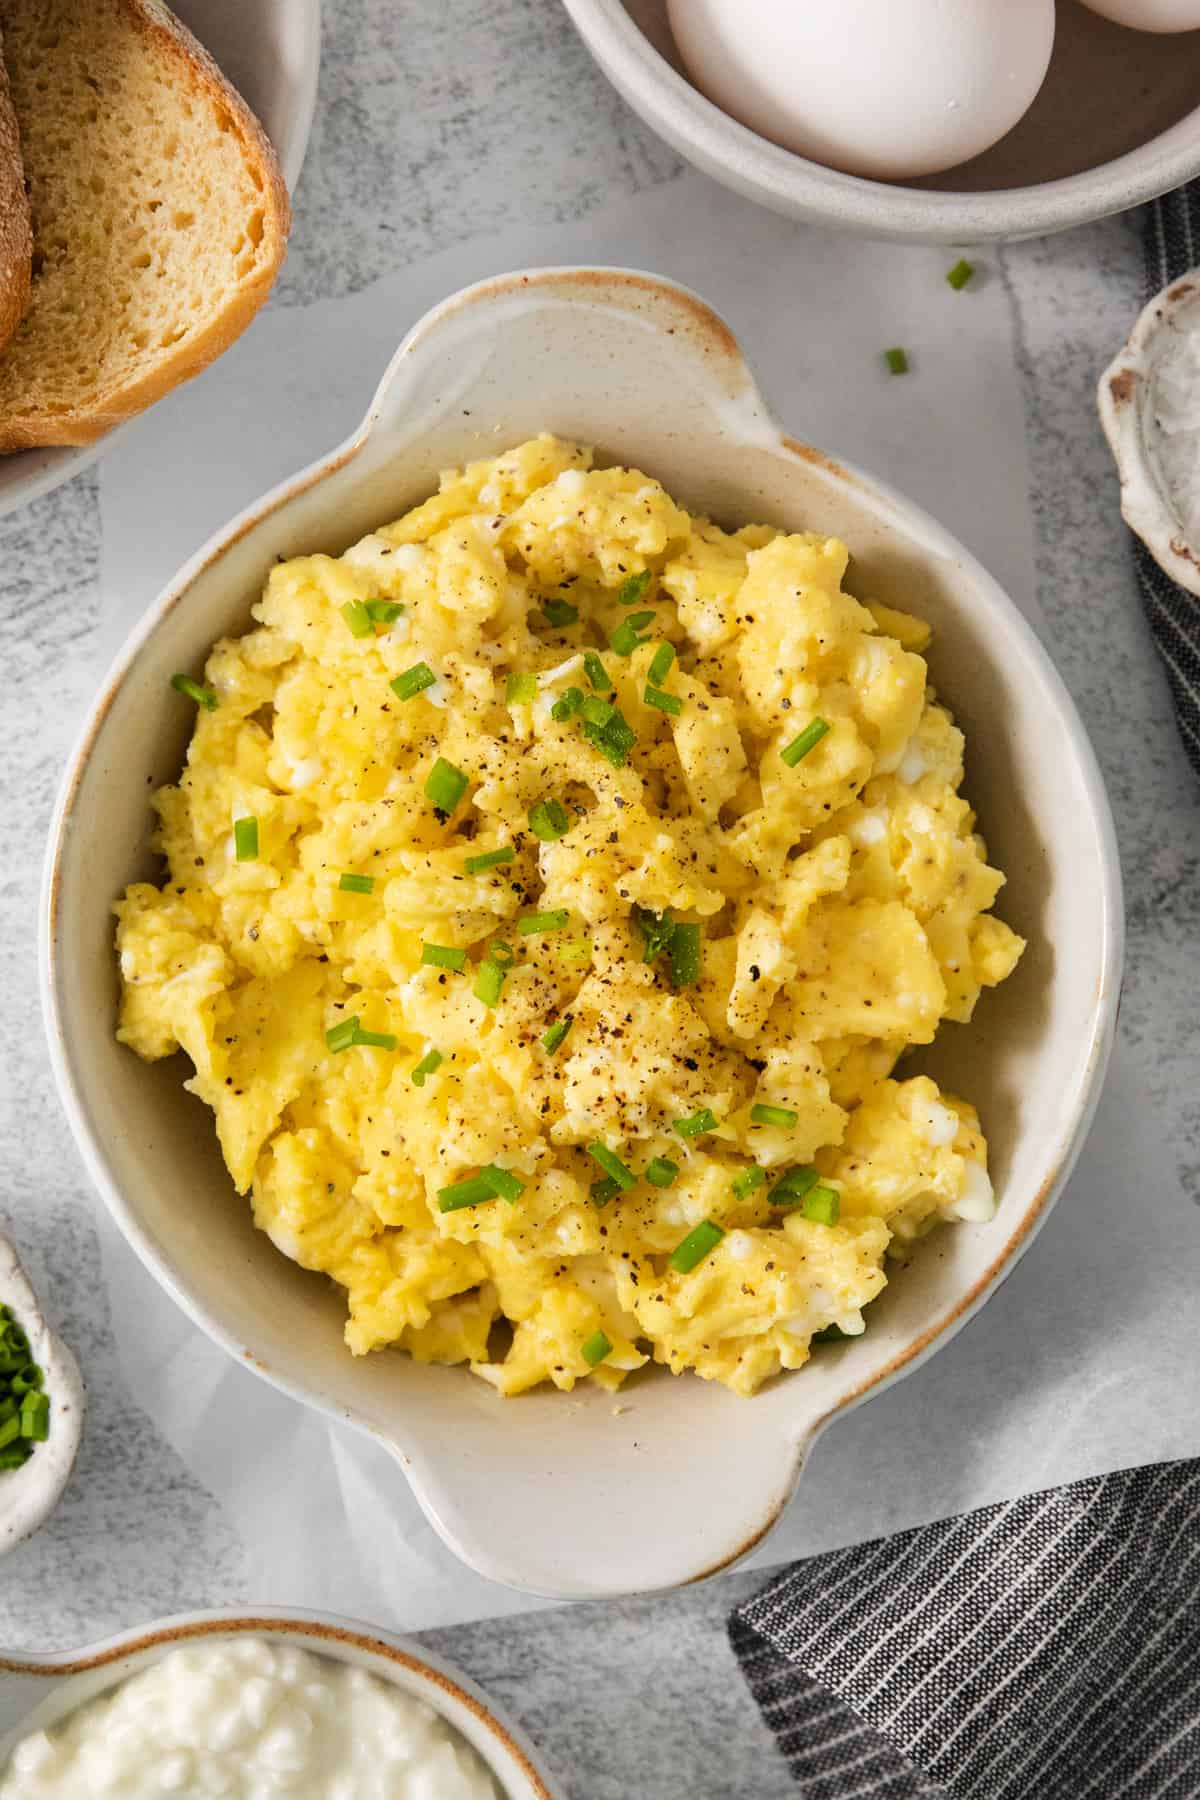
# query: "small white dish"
[[38, 1692], [557, 1495], [28, 1495], [1149, 401], [271, 52]]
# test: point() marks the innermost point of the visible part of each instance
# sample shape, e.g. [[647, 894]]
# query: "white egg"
[[887, 88], [1150, 15]]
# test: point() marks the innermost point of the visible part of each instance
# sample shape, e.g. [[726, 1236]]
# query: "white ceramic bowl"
[[28, 1495], [37, 1692], [1116, 121], [565, 1495], [271, 52]]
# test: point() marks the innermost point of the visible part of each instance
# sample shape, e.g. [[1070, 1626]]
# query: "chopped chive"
[[245, 840], [594, 1349], [773, 1115], [661, 1172], [441, 956], [800, 746], [521, 689], [557, 1032], [532, 923], [597, 711], [698, 1244], [822, 1204], [560, 612], [358, 618], [614, 741], [414, 681], [502, 954], [568, 705], [633, 587], [489, 982], [612, 1165], [601, 1192], [960, 274], [576, 950], [896, 360], [445, 785], [831, 1334], [666, 703], [10, 1431], [356, 884], [429, 1064], [626, 638], [198, 691], [490, 859], [15, 1456], [747, 1180], [505, 1183], [384, 612], [660, 664], [342, 1035], [657, 930], [791, 1188], [697, 1123], [596, 673], [548, 820], [685, 955], [375, 1040], [472, 1192]]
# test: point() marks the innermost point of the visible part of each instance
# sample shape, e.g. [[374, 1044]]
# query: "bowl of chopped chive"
[[583, 1498], [41, 1407]]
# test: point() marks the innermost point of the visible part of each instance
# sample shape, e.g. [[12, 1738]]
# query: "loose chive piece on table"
[[685, 955], [628, 635], [384, 612], [472, 1192], [698, 1244], [666, 703], [594, 1349], [612, 1165], [782, 1116], [896, 360], [822, 1204], [633, 587], [413, 681], [489, 859], [429, 1064], [356, 884], [697, 1124], [601, 1192], [441, 956], [489, 982], [445, 785], [521, 689], [596, 673], [791, 1188], [548, 820], [567, 705], [198, 691], [245, 840], [960, 274], [358, 618], [799, 747], [560, 612], [747, 1180], [661, 1172], [660, 664], [506, 1185], [533, 923], [343, 1034], [557, 1032]]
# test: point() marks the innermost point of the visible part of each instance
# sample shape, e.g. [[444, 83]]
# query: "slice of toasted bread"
[[160, 216], [16, 238]]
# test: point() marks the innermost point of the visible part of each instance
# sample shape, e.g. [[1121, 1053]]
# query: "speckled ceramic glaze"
[[28, 1495], [1130, 404], [556, 1494], [39, 1692]]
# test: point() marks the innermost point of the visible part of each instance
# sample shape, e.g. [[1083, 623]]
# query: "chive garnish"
[[614, 741], [601, 1192], [445, 785], [790, 1189], [441, 956], [384, 612], [822, 1204], [356, 884], [413, 681], [429, 1064], [657, 930], [245, 840], [594, 1349], [502, 954], [660, 664], [530, 924], [548, 820], [661, 1171], [24, 1409], [685, 955], [800, 746], [596, 673], [626, 638], [960, 274], [358, 618], [666, 703], [521, 689], [612, 1165], [896, 360], [597, 711], [633, 587], [465, 1193], [557, 1032], [560, 612], [568, 705], [773, 1115], [198, 691], [698, 1244], [375, 1040], [489, 859], [697, 1123], [747, 1180], [489, 982], [504, 1182], [342, 1035]]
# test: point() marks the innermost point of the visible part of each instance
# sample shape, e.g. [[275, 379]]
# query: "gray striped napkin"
[[1046, 1649], [1173, 247]]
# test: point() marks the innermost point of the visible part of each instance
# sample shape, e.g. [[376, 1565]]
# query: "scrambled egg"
[[521, 905]]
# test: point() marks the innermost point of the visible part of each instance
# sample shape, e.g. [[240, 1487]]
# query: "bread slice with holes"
[[160, 216], [16, 239]]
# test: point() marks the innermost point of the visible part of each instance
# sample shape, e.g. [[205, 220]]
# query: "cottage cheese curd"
[[249, 1720]]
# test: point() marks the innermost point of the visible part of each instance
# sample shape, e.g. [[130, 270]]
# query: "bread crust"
[[16, 233], [167, 37]]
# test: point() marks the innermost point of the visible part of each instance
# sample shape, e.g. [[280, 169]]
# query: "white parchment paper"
[[1089, 1357]]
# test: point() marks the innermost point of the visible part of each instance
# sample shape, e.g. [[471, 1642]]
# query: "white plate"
[[270, 50]]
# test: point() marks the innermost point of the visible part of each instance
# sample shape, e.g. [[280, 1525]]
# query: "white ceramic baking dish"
[[573, 1496]]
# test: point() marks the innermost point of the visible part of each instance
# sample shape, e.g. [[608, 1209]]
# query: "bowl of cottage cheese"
[[248, 1708]]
